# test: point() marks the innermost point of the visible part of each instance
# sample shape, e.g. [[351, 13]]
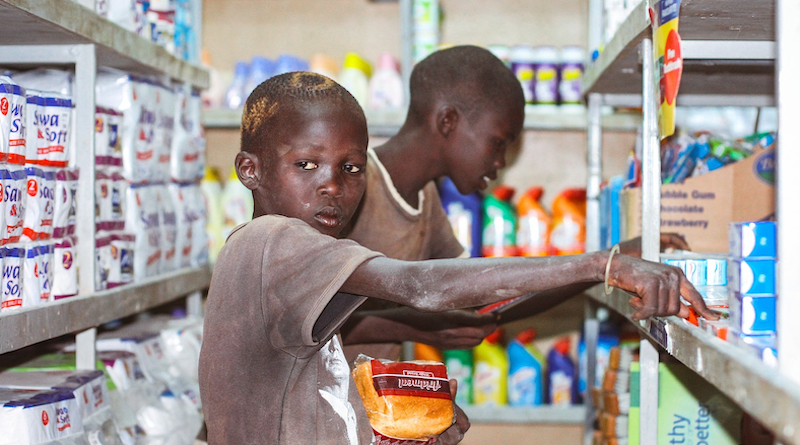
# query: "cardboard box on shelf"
[[702, 207]]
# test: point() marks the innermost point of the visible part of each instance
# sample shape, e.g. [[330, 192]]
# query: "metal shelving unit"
[[65, 33], [735, 54], [30, 326], [573, 415], [388, 123], [65, 22]]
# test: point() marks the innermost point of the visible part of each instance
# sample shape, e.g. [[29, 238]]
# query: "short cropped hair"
[[289, 91], [469, 77]]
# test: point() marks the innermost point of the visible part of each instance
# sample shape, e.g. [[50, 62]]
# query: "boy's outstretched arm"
[[438, 285]]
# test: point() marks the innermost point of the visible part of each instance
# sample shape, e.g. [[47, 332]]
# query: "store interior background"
[[236, 30]]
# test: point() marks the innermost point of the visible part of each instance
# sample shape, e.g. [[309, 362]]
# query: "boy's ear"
[[447, 120], [247, 168]]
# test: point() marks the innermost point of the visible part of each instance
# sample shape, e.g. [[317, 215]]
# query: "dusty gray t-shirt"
[[386, 223], [272, 370]]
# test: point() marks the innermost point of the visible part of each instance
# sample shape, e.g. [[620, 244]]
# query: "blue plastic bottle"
[[261, 69], [235, 97], [465, 213], [608, 338], [525, 372], [561, 387]]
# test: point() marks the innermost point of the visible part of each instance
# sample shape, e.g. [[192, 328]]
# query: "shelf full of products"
[[728, 49], [26, 327], [65, 22], [388, 122], [730, 57]]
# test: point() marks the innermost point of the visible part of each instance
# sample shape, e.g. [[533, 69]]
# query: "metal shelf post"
[[651, 201]]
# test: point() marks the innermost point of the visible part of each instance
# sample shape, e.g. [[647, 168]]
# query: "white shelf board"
[[65, 22], [618, 70], [387, 124], [760, 390], [25, 327], [572, 415]]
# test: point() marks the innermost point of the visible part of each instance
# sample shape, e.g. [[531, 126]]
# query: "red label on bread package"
[[410, 379]]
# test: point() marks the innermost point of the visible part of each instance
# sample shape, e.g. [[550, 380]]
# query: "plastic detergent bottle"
[[211, 188], [499, 223], [608, 338], [525, 372], [386, 85], [324, 64], [427, 352], [523, 58], [465, 213], [560, 375], [568, 236], [491, 371], [261, 69], [571, 72], [355, 77], [546, 75], [235, 96], [533, 233], [459, 367], [237, 204]]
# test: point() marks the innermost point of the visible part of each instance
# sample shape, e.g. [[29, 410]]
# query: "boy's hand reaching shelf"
[[658, 288]]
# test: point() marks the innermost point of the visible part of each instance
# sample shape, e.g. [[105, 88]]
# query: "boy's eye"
[[350, 168], [307, 165]]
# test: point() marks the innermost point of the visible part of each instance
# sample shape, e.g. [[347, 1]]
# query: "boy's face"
[[315, 168], [478, 149]]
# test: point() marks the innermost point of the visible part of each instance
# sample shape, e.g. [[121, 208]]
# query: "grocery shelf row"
[[29, 326], [557, 415], [65, 22], [65, 33], [387, 123], [732, 57], [744, 378]]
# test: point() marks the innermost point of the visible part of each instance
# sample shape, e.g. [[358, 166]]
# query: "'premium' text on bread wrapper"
[[406, 402]]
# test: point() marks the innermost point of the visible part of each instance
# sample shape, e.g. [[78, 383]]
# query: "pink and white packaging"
[[13, 258], [72, 188], [46, 249], [114, 125], [121, 270], [183, 226], [165, 124], [199, 233], [14, 181], [65, 269], [62, 203], [119, 190], [34, 132], [142, 220], [12, 120], [39, 204], [102, 200], [168, 227], [33, 416], [56, 126], [136, 101], [101, 136], [107, 150], [31, 291], [102, 261], [186, 147]]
